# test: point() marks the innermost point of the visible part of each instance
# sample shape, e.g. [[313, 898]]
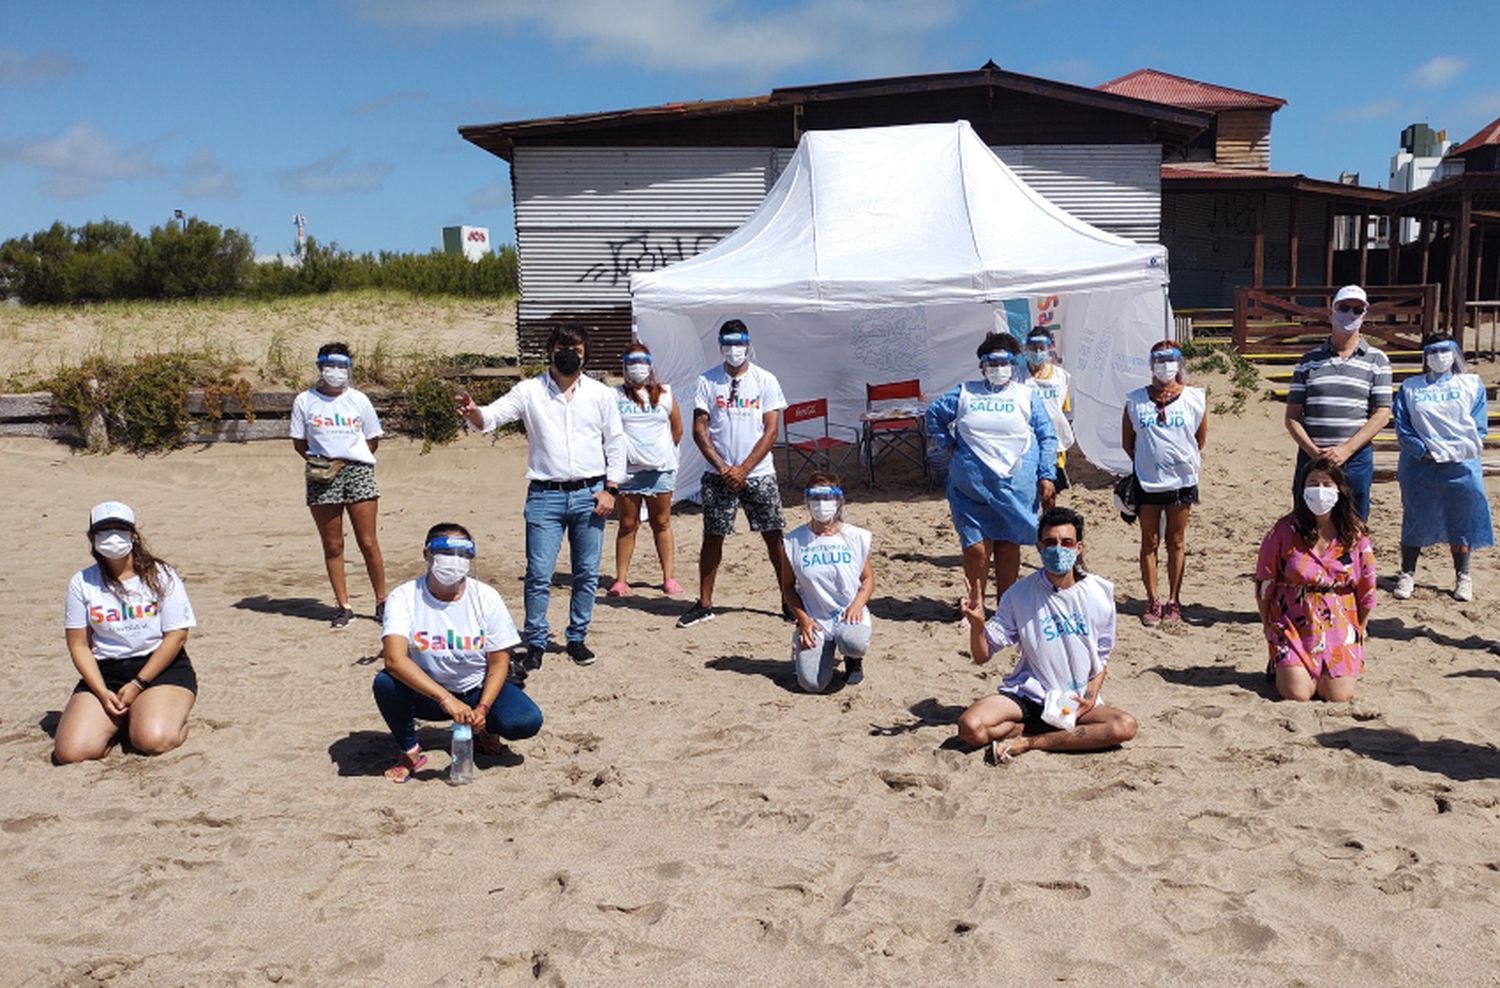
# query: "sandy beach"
[[685, 817]]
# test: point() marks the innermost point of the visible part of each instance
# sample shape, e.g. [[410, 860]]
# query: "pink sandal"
[[671, 587], [619, 589], [401, 772]]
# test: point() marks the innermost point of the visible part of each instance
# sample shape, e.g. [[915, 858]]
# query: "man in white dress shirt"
[[575, 463]]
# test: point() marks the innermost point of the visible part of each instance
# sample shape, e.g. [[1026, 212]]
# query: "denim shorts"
[[646, 482]]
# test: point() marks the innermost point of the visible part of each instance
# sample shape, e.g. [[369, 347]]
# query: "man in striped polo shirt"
[[1341, 397]]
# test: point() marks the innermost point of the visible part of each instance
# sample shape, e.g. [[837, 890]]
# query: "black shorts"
[[1031, 713], [118, 672], [1182, 495]]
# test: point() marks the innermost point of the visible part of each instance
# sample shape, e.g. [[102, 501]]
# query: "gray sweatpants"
[[815, 665]]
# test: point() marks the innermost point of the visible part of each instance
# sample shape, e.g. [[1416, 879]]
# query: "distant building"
[[472, 242], [1418, 164]]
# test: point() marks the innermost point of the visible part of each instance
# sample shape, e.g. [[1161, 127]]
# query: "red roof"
[[1487, 135], [1174, 90]]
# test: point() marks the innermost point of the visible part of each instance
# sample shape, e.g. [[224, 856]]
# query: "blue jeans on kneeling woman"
[[514, 716]]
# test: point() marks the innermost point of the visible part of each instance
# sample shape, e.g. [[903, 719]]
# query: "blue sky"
[[347, 111]]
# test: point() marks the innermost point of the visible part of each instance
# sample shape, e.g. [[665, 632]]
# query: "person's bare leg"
[[1177, 523], [85, 731], [1295, 683], [628, 515], [709, 558], [1101, 727], [330, 521], [1340, 690], [991, 718], [1007, 567], [976, 562], [776, 550], [363, 515], [1149, 516], [158, 719], [659, 514]]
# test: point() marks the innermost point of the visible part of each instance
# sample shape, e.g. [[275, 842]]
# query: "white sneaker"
[[1463, 587], [1405, 584]]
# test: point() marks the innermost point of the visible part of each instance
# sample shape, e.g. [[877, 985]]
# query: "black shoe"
[[696, 614], [341, 619], [580, 653], [380, 613], [516, 673], [534, 655], [854, 671]]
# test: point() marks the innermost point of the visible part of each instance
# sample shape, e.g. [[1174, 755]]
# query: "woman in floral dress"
[[1315, 584]]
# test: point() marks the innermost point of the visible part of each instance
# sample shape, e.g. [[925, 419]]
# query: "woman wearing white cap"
[[653, 428], [1442, 419], [1163, 430], [127, 619], [1050, 382], [1004, 462], [335, 430], [827, 583]]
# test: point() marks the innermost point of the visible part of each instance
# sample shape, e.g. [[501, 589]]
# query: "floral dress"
[[1314, 600]]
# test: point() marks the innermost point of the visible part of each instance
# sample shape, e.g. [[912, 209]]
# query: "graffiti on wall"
[[645, 250]]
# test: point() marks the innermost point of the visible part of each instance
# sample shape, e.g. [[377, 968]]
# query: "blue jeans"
[[1359, 470], [548, 515], [514, 715]]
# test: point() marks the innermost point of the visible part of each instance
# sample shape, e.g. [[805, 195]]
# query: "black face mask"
[[567, 362]]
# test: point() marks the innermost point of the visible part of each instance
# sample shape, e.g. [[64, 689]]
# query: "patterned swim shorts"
[[760, 497], [355, 482]]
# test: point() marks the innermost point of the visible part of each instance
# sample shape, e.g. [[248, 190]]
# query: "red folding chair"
[[888, 431], [827, 451]]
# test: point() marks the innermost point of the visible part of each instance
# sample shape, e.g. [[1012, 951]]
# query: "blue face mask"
[[1059, 559]]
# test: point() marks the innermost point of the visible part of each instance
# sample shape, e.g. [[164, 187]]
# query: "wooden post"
[[1260, 243], [1424, 224], [1449, 281], [1291, 212], [1328, 228], [1461, 279], [95, 430], [1364, 247], [1393, 251]]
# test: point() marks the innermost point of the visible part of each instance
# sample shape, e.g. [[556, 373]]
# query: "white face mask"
[[1320, 500], [998, 375], [823, 510], [637, 373], [735, 355], [1440, 361], [335, 376], [1347, 322], [113, 545], [447, 570], [1164, 371]]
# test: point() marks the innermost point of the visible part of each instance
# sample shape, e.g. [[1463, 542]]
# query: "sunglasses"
[[1349, 307], [734, 389], [1052, 542]]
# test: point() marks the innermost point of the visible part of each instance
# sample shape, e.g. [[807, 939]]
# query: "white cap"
[[110, 511], [1351, 291]]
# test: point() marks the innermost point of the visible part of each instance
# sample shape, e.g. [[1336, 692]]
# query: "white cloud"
[[334, 175], [705, 35], [1373, 110], [80, 162], [17, 66], [495, 195], [204, 178], [1438, 71], [389, 100]]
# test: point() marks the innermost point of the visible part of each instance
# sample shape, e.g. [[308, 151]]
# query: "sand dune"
[[686, 818]]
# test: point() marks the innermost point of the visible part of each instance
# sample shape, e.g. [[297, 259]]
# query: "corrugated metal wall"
[[588, 218]]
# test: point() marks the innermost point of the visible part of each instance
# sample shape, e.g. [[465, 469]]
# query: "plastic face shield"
[[335, 360], [452, 545]]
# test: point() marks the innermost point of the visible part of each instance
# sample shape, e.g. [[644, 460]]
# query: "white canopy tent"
[[886, 253]]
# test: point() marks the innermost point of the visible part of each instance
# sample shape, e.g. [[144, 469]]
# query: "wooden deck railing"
[[1271, 319]]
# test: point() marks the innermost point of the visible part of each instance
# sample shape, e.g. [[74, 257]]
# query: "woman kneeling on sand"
[[1063, 619], [826, 583], [1315, 583], [127, 619], [446, 641]]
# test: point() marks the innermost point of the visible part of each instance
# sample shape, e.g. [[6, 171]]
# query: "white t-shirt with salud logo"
[[648, 432], [450, 639], [827, 570], [336, 426], [1166, 453], [131, 628], [735, 424], [1065, 635]]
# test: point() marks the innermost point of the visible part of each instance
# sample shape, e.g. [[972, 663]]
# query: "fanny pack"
[[321, 469]]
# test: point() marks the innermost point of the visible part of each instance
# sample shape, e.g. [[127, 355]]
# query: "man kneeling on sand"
[[1064, 621]]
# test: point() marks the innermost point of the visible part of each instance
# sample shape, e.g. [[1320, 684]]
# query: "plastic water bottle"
[[461, 772]]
